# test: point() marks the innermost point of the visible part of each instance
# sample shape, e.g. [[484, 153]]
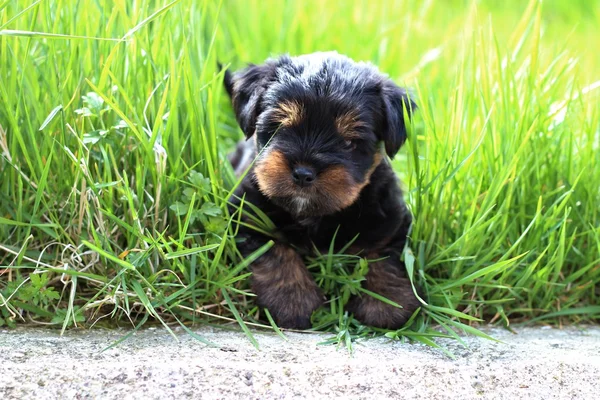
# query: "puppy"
[[322, 126]]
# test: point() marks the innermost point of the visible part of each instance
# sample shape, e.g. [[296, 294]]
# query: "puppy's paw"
[[387, 281], [284, 286], [292, 307]]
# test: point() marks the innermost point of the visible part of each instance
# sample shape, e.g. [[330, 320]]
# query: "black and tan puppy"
[[323, 125]]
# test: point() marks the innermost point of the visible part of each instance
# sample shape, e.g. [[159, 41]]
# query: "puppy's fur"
[[322, 125]]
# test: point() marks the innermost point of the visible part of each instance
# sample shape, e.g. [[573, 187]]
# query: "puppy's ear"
[[395, 101], [246, 88], [227, 79]]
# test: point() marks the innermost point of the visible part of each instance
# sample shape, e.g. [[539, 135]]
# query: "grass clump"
[[114, 183]]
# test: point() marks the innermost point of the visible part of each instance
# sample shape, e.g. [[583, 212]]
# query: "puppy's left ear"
[[395, 100]]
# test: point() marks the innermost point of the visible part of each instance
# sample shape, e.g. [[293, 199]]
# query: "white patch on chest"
[[300, 203]]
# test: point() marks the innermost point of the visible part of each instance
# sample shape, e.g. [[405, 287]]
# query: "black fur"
[[356, 190]]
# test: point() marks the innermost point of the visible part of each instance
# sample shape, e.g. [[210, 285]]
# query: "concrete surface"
[[540, 363]]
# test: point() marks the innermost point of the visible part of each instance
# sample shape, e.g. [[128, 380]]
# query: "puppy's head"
[[321, 122]]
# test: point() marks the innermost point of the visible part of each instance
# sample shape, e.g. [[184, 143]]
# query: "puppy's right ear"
[[246, 88], [227, 82]]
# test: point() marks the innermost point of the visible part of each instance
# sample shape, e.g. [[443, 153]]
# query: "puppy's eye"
[[351, 144]]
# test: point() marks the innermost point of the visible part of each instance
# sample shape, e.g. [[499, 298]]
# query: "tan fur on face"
[[289, 113], [348, 125], [333, 190], [274, 175], [339, 186]]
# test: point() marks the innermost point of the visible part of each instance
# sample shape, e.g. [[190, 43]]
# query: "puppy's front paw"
[[284, 286], [387, 281], [292, 306]]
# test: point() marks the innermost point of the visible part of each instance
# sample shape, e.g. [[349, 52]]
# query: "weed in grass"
[[114, 182]]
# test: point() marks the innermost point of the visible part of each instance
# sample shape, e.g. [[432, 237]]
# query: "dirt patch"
[[540, 363]]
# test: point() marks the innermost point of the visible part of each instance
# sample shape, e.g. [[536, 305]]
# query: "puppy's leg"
[[388, 279], [284, 286], [280, 280]]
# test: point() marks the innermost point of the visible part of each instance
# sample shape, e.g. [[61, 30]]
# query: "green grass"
[[114, 181]]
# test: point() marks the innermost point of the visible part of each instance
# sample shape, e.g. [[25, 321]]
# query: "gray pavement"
[[535, 363]]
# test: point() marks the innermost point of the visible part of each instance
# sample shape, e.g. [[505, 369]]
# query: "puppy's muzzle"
[[303, 176]]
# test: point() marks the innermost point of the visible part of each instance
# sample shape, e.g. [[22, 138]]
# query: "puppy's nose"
[[303, 176]]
